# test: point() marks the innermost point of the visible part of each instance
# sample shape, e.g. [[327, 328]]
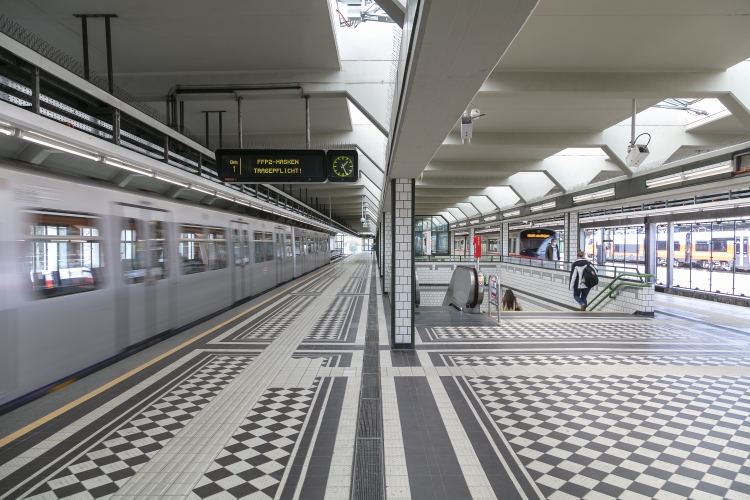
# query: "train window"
[[288, 245], [217, 248], [157, 250], [269, 247], [237, 247], [701, 246], [65, 254], [258, 243], [132, 252], [720, 245], [245, 247], [297, 246], [192, 246], [279, 246]]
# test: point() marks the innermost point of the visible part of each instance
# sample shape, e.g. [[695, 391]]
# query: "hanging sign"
[[286, 166]]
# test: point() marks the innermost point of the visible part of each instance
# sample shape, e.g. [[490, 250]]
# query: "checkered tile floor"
[[603, 359], [334, 323], [549, 330], [253, 461], [105, 468], [271, 326], [318, 285], [354, 285], [627, 436]]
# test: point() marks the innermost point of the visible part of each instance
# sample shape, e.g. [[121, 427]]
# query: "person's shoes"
[[583, 307]]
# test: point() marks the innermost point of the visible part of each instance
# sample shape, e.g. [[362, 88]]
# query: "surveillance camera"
[[363, 220], [467, 124], [636, 155]]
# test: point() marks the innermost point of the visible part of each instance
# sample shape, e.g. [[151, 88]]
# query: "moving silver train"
[[87, 271]]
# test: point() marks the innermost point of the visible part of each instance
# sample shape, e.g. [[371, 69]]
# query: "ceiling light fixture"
[[593, 196], [62, 146], [228, 198], [512, 214], [696, 173], [475, 221], [6, 129], [171, 181], [490, 218], [201, 189], [127, 166], [544, 206]]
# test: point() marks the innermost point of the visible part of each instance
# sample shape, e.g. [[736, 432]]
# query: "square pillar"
[[470, 242], [387, 252], [402, 298], [649, 247], [505, 244], [572, 237], [670, 255]]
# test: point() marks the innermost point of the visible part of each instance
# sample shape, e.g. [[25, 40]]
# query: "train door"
[[288, 254], [241, 276], [142, 302], [298, 256], [280, 257]]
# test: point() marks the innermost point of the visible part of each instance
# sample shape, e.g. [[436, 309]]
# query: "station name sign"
[[286, 166]]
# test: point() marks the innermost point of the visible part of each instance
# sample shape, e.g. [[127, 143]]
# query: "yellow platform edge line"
[[43, 420]]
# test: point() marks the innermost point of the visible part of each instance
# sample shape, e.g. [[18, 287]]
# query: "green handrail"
[[609, 291]]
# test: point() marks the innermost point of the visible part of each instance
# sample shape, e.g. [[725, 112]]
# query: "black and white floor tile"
[[253, 462], [334, 323], [598, 359], [269, 327], [637, 330], [635, 437], [101, 471]]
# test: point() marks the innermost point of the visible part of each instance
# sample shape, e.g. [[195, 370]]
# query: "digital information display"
[[271, 166], [276, 166]]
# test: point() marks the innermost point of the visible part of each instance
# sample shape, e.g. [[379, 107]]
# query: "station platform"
[[297, 395]]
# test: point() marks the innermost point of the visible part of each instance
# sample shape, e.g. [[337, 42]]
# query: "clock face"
[[343, 166]]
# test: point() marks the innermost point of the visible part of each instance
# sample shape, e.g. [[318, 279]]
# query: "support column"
[[470, 242], [110, 68], [239, 122], [649, 247], [387, 252], [403, 282], [572, 237], [504, 243], [670, 255]]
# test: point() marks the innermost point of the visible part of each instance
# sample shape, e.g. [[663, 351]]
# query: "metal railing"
[[606, 270], [611, 289]]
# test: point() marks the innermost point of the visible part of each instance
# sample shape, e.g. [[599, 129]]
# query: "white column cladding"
[[470, 242], [387, 253], [572, 238], [404, 263], [504, 240]]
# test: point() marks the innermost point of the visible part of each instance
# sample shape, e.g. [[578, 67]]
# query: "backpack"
[[590, 279]]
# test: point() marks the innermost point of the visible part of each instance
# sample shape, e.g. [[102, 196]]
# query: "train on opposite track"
[[88, 271]]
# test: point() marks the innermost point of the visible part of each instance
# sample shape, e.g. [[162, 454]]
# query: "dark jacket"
[[576, 274], [548, 253]]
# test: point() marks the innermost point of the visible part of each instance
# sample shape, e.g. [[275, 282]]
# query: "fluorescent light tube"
[[131, 168], [606, 193], [512, 214], [462, 224], [242, 202], [202, 189], [46, 141], [543, 206], [475, 221], [661, 181], [172, 181], [697, 173], [489, 219], [6, 129], [220, 195]]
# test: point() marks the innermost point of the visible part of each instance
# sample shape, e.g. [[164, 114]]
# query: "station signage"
[[286, 166]]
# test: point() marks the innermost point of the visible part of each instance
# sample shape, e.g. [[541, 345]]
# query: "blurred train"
[[723, 250], [89, 271], [528, 243]]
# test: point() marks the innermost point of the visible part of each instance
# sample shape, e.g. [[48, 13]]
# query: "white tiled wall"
[[549, 283], [571, 236], [404, 239], [504, 239], [387, 253]]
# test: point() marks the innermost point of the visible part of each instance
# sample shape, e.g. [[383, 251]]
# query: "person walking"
[[552, 252], [509, 302], [582, 278]]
